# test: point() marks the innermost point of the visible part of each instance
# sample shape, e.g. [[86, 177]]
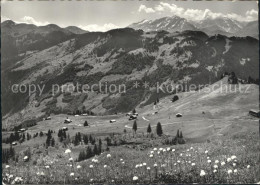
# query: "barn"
[[64, 128], [255, 113], [67, 121], [178, 115], [112, 121]]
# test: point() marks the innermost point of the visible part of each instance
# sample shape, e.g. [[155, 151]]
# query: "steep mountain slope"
[[216, 110], [75, 30], [21, 39], [251, 29], [122, 56], [171, 24], [222, 25]]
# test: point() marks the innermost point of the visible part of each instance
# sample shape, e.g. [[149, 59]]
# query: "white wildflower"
[[229, 171], [192, 164], [135, 178], [71, 174], [233, 157], [108, 155], [202, 173], [67, 151], [78, 167], [216, 161], [215, 166], [91, 166], [223, 163]]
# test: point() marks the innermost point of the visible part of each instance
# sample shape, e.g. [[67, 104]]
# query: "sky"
[[106, 15]]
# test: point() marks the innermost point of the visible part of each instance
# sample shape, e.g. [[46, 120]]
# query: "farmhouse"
[[64, 128], [128, 114], [48, 118], [178, 115], [112, 121], [14, 143], [22, 130], [67, 120], [133, 117], [254, 113], [25, 159]]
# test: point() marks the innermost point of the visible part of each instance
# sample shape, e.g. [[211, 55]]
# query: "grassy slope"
[[225, 124]]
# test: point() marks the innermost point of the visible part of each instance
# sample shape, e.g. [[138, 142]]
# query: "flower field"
[[233, 160]]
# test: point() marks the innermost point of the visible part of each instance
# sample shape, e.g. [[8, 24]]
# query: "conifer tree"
[[135, 126], [178, 134], [159, 129], [149, 129], [52, 142]]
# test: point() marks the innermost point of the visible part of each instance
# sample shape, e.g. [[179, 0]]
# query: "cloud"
[[159, 8], [95, 27], [144, 8], [196, 14], [31, 20], [4, 18], [172, 8], [252, 13]]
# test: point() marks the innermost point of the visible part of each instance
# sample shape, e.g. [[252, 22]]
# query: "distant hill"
[[21, 38], [251, 29], [171, 24], [223, 26], [122, 56], [75, 30]]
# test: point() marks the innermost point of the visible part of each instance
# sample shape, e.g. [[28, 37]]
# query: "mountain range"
[[52, 55], [224, 26]]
